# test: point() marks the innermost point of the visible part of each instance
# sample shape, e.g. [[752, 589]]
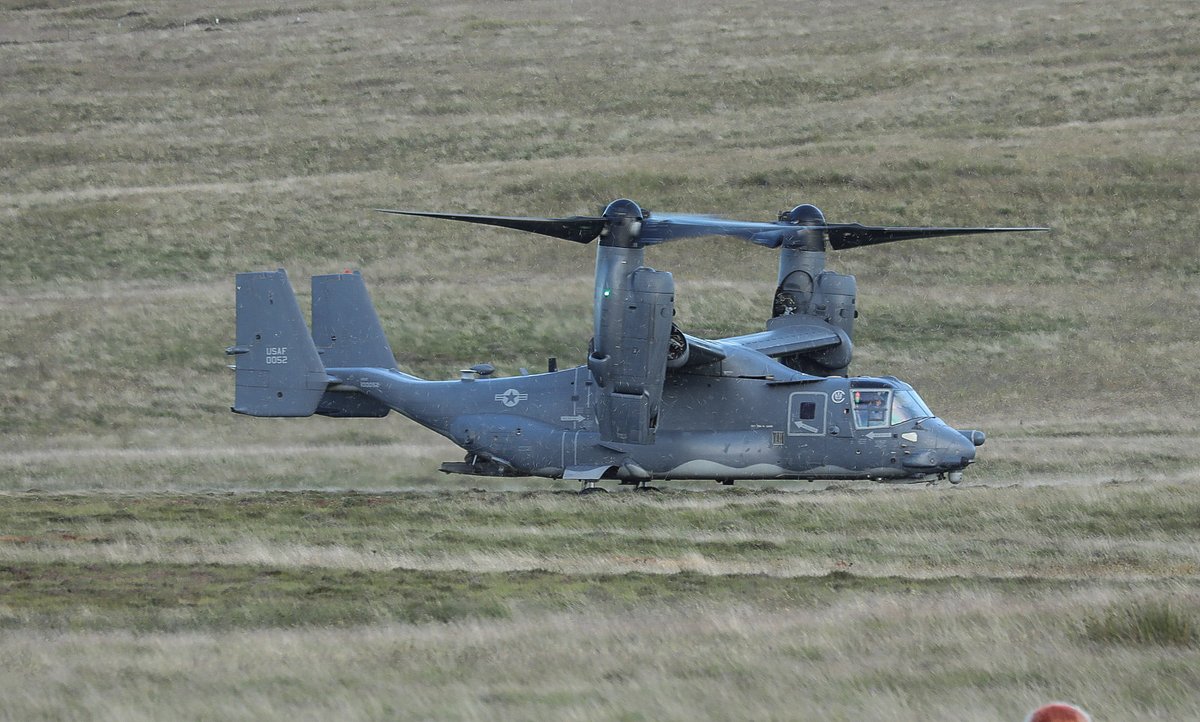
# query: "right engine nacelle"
[[629, 353]]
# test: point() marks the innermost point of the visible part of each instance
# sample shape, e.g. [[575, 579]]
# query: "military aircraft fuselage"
[[711, 426]]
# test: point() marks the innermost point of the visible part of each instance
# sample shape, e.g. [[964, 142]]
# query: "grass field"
[[161, 558]]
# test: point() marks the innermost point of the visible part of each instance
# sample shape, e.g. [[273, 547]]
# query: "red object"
[[1058, 712]]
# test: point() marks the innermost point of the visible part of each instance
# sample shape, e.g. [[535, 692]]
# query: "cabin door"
[[806, 429]]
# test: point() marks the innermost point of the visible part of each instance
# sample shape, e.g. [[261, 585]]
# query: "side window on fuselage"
[[806, 414], [871, 408]]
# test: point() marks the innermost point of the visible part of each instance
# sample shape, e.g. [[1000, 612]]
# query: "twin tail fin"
[[281, 368]]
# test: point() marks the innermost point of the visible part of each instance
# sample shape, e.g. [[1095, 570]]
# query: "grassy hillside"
[[149, 151], [152, 153]]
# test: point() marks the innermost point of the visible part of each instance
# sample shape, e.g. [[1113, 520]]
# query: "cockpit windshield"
[[879, 408], [907, 405]]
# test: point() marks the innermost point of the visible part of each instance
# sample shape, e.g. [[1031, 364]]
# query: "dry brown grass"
[[872, 657]]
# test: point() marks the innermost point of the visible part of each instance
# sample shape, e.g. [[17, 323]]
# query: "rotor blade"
[[853, 235], [581, 229], [662, 227]]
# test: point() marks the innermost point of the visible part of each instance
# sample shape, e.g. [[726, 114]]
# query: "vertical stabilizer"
[[346, 328], [278, 370]]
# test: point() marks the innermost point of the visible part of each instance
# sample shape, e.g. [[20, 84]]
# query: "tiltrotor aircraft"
[[651, 402]]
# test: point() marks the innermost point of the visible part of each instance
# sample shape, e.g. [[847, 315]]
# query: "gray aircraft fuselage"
[[711, 426]]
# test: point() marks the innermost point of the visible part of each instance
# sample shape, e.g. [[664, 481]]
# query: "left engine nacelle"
[[805, 294]]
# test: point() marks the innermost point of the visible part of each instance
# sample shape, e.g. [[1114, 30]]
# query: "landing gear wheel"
[[646, 487], [590, 487]]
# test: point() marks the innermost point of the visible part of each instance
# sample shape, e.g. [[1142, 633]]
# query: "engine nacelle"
[[830, 298], [629, 357], [834, 300], [679, 351]]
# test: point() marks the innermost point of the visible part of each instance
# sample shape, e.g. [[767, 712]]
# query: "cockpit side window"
[[871, 408]]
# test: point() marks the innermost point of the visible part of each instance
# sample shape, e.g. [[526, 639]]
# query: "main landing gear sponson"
[[591, 487]]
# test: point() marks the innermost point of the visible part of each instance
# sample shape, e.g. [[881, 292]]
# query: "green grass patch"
[[156, 596], [1126, 531], [147, 597], [1154, 623]]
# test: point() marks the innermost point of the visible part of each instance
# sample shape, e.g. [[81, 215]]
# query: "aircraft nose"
[[957, 450], [941, 449]]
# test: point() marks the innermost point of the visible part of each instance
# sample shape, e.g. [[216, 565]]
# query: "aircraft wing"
[[749, 356], [787, 339], [701, 351]]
